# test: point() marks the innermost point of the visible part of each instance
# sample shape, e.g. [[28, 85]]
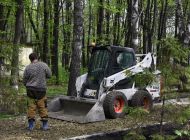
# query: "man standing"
[[34, 78]]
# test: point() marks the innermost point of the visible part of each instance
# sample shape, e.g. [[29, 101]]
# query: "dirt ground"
[[16, 128], [11, 129]]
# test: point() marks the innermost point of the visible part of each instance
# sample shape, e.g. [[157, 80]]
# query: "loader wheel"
[[114, 105], [142, 98]]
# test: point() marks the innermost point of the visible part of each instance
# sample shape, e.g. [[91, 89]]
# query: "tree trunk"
[[39, 48], [135, 25], [187, 39], [183, 31], [67, 35], [153, 28], [1, 36], [116, 24], [100, 22], [63, 28], [162, 27], [76, 47], [128, 34], [145, 28], [3, 23], [54, 51], [89, 30], [1, 19], [108, 40], [149, 31], [51, 28], [16, 42], [34, 29], [45, 32], [83, 50]]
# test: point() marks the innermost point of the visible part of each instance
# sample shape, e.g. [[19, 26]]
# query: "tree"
[[54, 51], [107, 16], [135, 24], [67, 34], [76, 47], [2, 29], [45, 32], [16, 42], [128, 30], [89, 29], [100, 22], [183, 31], [116, 24], [162, 25]]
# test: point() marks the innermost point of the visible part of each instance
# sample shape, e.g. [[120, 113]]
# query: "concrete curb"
[[118, 134]]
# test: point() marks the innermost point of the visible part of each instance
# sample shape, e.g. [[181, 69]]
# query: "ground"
[[16, 128], [11, 129]]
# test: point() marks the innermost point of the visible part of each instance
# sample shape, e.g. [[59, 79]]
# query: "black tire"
[[143, 99], [114, 105]]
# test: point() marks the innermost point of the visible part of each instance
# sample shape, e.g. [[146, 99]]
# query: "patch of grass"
[[5, 116], [57, 90], [134, 136], [21, 89], [52, 90], [176, 95], [63, 77]]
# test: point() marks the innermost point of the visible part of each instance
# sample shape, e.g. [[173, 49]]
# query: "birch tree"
[[76, 47], [135, 24], [183, 30]]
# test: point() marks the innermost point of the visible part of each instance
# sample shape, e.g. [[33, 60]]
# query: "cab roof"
[[113, 48]]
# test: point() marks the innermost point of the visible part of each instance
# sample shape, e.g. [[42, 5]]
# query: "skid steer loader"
[[107, 88]]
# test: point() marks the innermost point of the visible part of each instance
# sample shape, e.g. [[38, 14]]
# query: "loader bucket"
[[75, 109]]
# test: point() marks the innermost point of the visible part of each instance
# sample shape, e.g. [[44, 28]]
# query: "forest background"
[[61, 31]]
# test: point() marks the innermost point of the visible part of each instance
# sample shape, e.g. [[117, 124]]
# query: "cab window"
[[124, 59]]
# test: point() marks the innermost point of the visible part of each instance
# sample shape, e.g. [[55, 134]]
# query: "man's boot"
[[45, 125], [31, 124]]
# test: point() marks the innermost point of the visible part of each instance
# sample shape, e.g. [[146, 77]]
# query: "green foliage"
[[57, 90], [157, 137], [171, 55], [63, 77], [134, 136], [182, 133], [162, 137], [145, 78], [7, 2], [11, 102], [21, 89], [171, 48], [115, 7], [6, 50], [137, 114], [83, 70], [5, 116], [184, 115], [180, 116]]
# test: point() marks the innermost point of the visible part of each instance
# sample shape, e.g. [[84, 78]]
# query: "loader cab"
[[106, 61]]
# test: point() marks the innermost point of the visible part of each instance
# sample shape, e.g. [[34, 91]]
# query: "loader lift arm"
[[110, 81]]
